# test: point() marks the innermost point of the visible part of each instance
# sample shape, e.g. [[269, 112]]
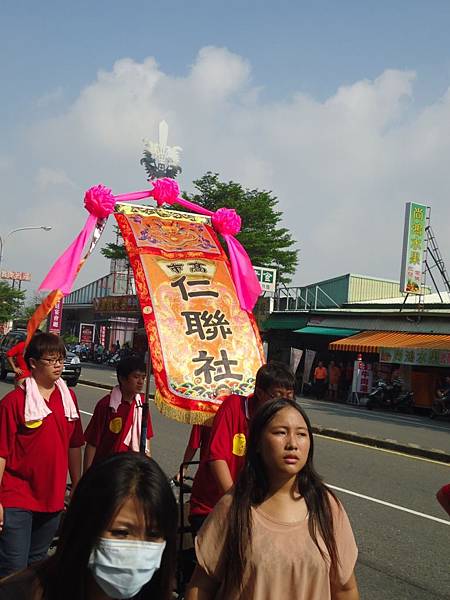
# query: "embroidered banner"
[[203, 345]]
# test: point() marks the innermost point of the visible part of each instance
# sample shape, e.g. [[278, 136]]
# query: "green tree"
[[267, 244], [115, 250], [27, 309], [11, 301]]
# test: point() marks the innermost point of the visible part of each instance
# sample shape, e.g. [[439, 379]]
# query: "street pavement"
[[401, 531], [407, 433]]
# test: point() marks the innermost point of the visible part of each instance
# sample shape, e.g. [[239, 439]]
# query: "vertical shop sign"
[[413, 248], [87, 331], [362, 378], [102, 335], [56, 318], [309, 359], [296, 356]]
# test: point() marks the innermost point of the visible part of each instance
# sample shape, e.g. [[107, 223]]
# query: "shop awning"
[[331, 331], [373, 341], [285, 321]]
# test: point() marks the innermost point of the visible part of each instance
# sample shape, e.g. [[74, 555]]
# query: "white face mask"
[[122, 567]]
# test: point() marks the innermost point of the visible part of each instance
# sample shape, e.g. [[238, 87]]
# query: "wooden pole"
[[146, 406]]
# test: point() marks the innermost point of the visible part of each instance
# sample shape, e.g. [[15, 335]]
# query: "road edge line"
[[441, 457]]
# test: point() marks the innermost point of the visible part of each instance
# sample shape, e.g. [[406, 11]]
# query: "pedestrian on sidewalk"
[[225, 456], [320, 380], [40, 441], [118, 539], [281, 532], [116, 423], [334, 374]]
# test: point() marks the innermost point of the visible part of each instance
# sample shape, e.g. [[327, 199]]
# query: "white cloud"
[[50, 98], [47, 177], [342, 168]]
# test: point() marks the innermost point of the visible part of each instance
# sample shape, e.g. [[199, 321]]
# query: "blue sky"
[[52, 52], [313, 46]]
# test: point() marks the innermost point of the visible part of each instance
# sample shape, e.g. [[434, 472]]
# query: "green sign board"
[[413, 248], [416, 356]]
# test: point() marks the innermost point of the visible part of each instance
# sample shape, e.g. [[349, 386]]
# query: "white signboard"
[[267, 278], [296, 356]]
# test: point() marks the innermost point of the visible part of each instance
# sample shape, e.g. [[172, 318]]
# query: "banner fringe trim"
[[182, 415]]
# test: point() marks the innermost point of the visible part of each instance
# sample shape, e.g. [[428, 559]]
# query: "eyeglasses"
[[53, 361]]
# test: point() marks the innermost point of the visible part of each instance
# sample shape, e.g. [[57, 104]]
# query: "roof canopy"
[[372, 341], [330, 331]]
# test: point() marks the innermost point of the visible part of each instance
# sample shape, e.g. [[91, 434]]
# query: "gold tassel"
[[181, 415]]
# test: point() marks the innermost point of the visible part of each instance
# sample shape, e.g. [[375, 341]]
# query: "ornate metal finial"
[[161, 160]]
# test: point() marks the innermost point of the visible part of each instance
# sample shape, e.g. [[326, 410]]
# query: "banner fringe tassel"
[[182, 415]]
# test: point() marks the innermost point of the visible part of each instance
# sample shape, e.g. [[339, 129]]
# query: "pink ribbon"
[[99, 202]]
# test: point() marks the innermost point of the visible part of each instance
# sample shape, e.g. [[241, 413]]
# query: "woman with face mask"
[[118, 539], [281, 533]]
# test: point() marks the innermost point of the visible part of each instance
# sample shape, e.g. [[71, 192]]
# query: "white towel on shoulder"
[[133, 437], [36, 408]]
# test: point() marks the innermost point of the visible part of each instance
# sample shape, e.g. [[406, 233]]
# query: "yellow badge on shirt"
[[115, 425], [239, 444], [33, 424]]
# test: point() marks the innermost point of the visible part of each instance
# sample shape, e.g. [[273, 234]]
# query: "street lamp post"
[[4, 238]]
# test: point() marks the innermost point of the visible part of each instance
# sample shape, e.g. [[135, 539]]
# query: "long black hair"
[[251, 490], [97, 498]]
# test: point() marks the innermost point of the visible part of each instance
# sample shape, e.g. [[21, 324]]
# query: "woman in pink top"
[[281, 533]]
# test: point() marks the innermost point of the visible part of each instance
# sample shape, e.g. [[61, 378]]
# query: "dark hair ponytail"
[[252, 488]]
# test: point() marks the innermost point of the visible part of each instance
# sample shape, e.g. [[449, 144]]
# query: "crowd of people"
[[265, 524], [333, 381]]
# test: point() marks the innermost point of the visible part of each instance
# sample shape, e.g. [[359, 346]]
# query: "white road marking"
[[364, 497], [386, 450], [396, 506]]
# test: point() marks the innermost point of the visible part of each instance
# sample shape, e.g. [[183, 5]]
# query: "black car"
[[72, 366]]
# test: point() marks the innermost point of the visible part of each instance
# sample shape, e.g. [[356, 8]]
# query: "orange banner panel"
[[203, 345]]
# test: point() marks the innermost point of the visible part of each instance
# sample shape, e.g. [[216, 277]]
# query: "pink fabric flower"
[[226, 221], [99, 201], [165, 191]]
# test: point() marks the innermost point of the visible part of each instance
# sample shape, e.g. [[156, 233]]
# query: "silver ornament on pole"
[[161, 160]]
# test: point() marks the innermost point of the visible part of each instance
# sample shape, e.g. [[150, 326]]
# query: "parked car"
[[72, 367]]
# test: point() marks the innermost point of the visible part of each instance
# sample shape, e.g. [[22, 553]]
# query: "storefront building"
[[386, 334], [106, 305]]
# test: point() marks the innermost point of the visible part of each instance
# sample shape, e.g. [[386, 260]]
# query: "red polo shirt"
[[228, 442], [108, 429], [36, 454], [199, 438], [17, 353]]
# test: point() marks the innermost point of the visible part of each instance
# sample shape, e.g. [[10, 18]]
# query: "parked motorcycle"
[[114, 359], [390, 397], [440, 407], [84, 354]]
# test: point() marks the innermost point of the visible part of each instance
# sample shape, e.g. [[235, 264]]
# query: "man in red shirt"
[[17, 361], [443, 497], [225, 456], [40, 440], [199, 439], [115, 425]]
